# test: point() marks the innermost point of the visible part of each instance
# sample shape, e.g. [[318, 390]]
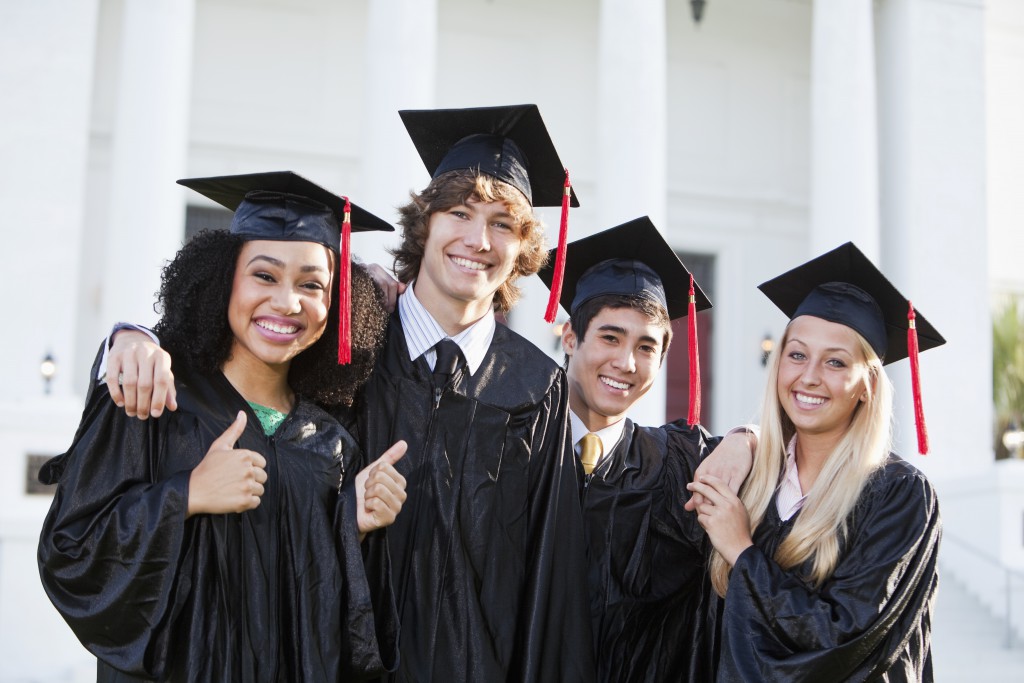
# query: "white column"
[[149, 148], [935, 239], [844, 145], [46, 74], [633, 132], [401, 61]]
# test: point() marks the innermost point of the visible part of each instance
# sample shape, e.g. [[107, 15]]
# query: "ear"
[[568, 339]]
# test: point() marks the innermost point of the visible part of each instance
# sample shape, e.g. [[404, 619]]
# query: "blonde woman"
[[826, 560]]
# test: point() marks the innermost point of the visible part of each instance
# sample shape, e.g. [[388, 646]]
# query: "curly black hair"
[[194, 329]]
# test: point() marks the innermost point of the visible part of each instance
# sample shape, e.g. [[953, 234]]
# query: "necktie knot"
[[591, 450], [448, 356]]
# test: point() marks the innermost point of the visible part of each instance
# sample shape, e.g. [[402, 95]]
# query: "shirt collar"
[[609, 436], [422, 332], [790, 498]]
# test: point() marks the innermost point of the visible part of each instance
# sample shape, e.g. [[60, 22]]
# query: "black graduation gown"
[[277, 593], [648, 574], [871, 621], [488, 551]]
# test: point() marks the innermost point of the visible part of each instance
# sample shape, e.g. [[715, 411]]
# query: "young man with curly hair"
[[489, 558]]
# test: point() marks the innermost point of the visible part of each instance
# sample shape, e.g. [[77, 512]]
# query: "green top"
[[269, 418]]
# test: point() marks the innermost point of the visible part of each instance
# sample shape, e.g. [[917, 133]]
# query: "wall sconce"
[[767, 344], [48, 368], [697, 10], [1013, 439]]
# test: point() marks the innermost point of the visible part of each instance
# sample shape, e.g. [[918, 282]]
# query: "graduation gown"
[[871, 621], [647, 556], [277, 593], [488, 550]]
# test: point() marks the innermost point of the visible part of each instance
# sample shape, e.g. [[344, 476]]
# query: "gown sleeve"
[[110, 550], [553, 634], [775, 627]]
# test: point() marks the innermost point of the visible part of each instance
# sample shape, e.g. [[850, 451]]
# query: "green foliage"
[[1008, 367]]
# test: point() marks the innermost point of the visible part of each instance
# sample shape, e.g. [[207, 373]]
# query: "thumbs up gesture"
[[380, 491], [228, 479]]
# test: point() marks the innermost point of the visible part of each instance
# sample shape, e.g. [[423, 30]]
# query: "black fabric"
[[510, 143], [871, 621], [884, 324], [278, 593], [647, 557], [282, 205], [488, 550], [448, 360], [631, 259]]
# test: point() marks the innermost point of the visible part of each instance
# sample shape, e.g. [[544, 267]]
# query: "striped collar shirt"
[[790, 497], [422, 333]]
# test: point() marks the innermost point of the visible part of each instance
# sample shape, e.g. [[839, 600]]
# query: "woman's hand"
[[139, 375], [228, 479], [388, 284], [723, 517], [380, 491]]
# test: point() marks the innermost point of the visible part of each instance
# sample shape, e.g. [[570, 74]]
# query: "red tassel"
[[563, 236], [345, 290], [915, 381], [691, 319]]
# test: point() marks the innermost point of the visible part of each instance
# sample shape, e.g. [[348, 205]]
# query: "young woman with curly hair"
[[827, 558], [221, 541]]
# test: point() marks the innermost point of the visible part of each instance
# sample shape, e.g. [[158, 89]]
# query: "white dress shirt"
[[790, 498], [609, 436], [422, 332]]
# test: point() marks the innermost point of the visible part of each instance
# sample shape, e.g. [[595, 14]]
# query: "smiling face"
[[613, 365], [823, 377], [470, 251], [279, 300]]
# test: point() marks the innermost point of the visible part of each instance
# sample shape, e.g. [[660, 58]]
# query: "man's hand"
[[139, 375], [730, 462], [723, 517], [391, 287], [380, 491], [228, 479]]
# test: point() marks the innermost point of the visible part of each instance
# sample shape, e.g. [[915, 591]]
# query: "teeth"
[[811, 400], [274, 327], [621, 386], [466, 263]]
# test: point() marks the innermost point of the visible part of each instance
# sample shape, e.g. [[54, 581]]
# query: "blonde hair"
[[822, 524]]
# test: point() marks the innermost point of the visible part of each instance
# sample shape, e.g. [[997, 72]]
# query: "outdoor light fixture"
[[697, 10], [48, 368], [767, 344], [1013, 439]]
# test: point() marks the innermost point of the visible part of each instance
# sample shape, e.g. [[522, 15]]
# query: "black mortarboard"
[[629, 259], [509, 143], [633, 259], [284, 206], [843, 286]]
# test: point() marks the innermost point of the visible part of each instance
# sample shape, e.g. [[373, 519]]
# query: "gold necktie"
[[590, 451]]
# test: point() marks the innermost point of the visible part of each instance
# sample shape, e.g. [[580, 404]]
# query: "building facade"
[[768, 132]]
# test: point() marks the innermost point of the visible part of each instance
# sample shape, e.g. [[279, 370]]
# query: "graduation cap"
[[633, 259], [843, 286], [284, 206], [510, 143]]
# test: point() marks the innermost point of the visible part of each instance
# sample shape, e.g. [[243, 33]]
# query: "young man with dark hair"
[[647, 555]]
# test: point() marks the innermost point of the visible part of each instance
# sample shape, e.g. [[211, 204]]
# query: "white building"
[[769, 132]]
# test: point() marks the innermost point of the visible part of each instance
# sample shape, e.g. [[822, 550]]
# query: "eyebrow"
[[281, 264], [831, 349], [622, 330]]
